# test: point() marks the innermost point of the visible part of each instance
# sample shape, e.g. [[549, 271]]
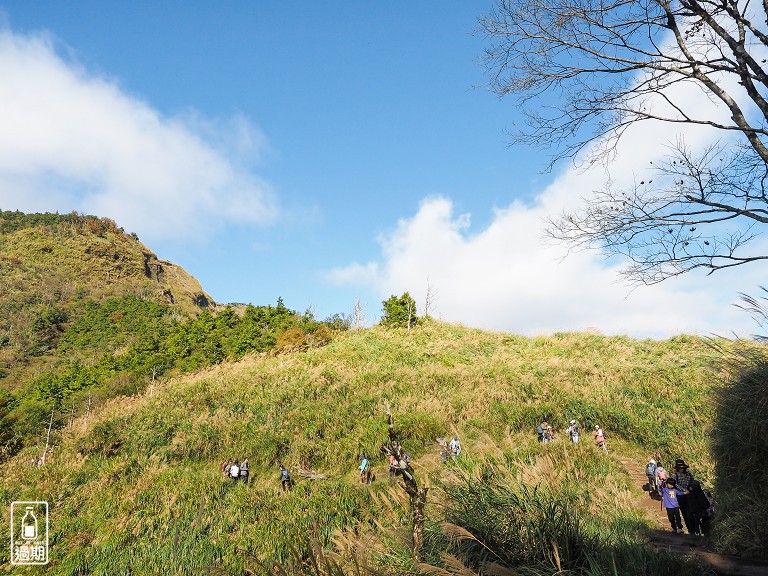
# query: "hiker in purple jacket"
[[669, 494]]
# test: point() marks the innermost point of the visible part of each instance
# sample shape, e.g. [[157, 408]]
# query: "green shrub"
[[400, 311]]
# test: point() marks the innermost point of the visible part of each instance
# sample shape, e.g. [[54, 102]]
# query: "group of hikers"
[[680, 493], [546, 434], [683, 497], [450, 449], [235, 470]]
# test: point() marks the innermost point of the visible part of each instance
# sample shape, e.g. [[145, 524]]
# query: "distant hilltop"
[[88, 257]]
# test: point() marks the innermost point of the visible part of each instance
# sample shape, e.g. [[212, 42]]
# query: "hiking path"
[[661, 536]]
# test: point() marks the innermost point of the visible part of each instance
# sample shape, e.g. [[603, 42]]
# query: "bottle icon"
[[29, 525]]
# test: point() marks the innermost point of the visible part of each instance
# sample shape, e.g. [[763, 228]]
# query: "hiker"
[[365, 471], [443, 447], [573, 431], [244, 471], [683, 480], [660, 476], [600, 438], [650, 473], [543, 431], [227, 466], [392, 465], [224, 468], [698, 508], [286, 482], [455, 447], [670, 498], [234, 471]]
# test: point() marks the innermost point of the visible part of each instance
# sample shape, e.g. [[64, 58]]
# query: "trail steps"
[[700, 548]]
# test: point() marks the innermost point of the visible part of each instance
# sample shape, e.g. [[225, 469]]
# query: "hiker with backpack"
[[671, 500], [650, 473], [698, 508], [544, 432], [573, 431], [443, 447], [455, 447], [600, 438], [286, 482], [365, 470], [683, 480], [660, 477]]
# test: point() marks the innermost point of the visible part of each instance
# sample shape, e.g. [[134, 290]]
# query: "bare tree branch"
[[610, 64], [417, 494]]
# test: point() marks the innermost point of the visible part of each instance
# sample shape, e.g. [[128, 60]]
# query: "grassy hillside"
[[51, 265], [135, 487], [87, 312]]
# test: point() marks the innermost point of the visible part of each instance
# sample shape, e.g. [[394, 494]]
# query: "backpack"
[[575, 430], [540, 430], [284, 475], [650, 470]]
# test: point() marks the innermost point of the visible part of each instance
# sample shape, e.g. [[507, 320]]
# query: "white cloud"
[[505, 277], [70, 140]]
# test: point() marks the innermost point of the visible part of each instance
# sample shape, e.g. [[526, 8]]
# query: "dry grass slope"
[[136, 486]]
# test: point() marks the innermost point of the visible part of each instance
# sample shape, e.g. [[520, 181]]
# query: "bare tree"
[[358, 313], [429, 298], [47, 439], [88, 407], [417, 494], [152, 384], [610, 64]]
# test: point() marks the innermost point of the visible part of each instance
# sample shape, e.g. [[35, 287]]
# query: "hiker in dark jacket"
[[683, 480], [286, 482], [698, 508], [650, 473], [244, 471]]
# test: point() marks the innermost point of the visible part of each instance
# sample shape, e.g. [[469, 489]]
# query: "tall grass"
[[567, 514], [137, 485]]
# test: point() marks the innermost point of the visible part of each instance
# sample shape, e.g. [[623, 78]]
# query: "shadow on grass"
[[740, 449]]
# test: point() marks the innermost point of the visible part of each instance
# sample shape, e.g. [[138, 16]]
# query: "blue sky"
[[322, 152]]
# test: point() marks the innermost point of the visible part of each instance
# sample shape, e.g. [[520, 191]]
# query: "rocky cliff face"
[[176, 285], [67, 260]]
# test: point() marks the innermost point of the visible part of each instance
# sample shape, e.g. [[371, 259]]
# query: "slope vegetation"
[[87, 312], [135, 486]]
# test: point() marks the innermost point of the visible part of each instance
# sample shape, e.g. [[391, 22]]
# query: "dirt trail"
[[663, 538]]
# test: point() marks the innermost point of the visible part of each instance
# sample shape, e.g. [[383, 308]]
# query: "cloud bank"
[[505, 277], [70, 140]]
